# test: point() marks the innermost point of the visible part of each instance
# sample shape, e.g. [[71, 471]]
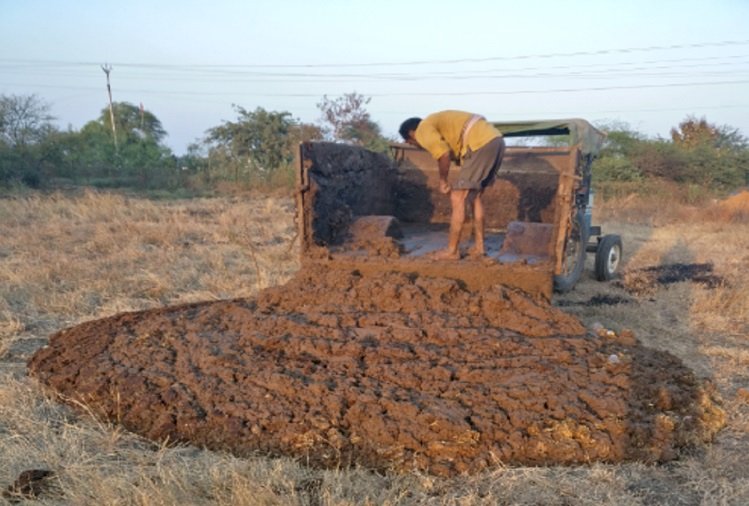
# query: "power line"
[[625, 50], [618, 64], [567, 90], [411, 94], [220, 69], [611, 73], [569, 72]]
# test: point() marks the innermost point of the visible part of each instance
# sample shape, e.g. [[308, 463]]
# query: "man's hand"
[[445, 186]]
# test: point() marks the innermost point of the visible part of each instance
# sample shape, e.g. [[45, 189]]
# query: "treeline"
[[257, 149], [698, 153], [35, 153]]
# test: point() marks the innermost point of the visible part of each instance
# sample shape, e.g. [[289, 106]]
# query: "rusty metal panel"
[[569, 181], [303, 218], [530, 242]]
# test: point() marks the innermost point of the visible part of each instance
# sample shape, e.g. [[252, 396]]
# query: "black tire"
[[608, 257], [573, 263]]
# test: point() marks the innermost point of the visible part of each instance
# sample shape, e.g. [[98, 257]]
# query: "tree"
[[24, 120], [717, 155], [348, 120], [693, 132], [133, 123], [259, 138], [259, 144], [141, 160], [303, 132], [731, 139], [616, 160], [25, 133]]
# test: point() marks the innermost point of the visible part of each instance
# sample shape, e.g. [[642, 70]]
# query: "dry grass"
[[66, 259]]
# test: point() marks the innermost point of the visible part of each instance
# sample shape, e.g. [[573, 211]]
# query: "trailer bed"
[[364, 211]]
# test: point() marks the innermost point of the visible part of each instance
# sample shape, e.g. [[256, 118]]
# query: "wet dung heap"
[[390, 372]]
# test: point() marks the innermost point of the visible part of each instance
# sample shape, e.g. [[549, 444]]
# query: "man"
[[477, 147]]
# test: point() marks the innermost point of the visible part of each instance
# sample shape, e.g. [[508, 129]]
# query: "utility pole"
[[107, 69]]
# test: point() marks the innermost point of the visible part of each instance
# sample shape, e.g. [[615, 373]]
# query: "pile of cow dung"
[[393, 371]]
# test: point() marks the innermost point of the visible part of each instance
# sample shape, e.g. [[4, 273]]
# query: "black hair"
[[407, 126]]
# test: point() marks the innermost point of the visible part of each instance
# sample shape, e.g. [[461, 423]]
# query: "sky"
[[647, 64]]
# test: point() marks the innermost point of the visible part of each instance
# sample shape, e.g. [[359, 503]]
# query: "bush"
[[615, 168], [661, 159], [699, 154]]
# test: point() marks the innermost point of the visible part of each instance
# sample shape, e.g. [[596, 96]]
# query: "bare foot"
[[445, 254], [476, 254]]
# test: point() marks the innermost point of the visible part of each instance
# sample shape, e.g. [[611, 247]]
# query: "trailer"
[[370, 212]]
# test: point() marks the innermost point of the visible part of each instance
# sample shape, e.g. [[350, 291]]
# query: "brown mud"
[[389, 371]]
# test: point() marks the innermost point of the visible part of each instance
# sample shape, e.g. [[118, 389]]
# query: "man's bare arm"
[[443, 164]]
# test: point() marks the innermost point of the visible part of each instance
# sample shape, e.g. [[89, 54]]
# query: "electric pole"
[[107, 69]]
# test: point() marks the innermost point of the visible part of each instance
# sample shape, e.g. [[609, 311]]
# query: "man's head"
[[408, 128]]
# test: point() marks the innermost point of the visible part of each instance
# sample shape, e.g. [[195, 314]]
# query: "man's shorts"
[[479, 167]]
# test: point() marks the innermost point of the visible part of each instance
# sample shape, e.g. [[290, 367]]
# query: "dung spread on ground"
[[391, 371], [352, 363]]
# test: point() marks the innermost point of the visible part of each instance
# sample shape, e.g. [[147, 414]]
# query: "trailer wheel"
[[608, 257], [573, 263]]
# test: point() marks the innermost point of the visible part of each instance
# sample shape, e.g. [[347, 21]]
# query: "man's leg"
[[478, 224], [478, 171], [457, 217]]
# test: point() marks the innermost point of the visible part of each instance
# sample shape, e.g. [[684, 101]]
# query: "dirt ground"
[[392, 371]]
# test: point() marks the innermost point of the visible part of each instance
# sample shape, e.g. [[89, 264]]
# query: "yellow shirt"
[[439, 133]]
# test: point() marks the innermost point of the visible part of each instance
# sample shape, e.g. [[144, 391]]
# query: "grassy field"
[[65, 259]]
